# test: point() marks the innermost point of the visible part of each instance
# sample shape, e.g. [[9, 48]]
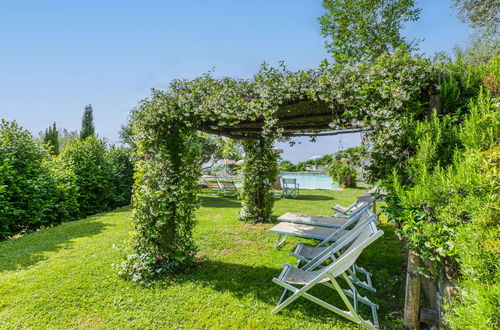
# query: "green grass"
[[64, 277]]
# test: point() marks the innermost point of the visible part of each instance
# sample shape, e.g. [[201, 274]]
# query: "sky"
[[58, 56]]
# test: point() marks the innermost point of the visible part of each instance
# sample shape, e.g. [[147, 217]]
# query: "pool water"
[[311, 180]]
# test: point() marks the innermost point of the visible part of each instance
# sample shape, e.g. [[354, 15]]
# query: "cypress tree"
[[51, 138], [87, 122]]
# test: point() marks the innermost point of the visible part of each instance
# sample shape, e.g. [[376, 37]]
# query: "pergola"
[[275, 103]]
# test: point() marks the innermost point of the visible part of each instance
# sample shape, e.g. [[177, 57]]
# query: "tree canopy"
[[480, 14], [361, 30]]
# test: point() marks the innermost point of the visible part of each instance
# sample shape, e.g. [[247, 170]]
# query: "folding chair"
[[291, 277], [228, 188], [318, 220], [213, 187], [325, 234], [290, 187], [313, 256], [360, 202]]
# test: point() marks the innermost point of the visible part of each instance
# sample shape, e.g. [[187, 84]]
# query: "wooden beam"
[[412, 296]]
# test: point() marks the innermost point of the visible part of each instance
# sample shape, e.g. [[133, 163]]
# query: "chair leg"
[[280, 241]]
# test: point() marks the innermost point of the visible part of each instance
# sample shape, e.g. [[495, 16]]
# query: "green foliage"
[[361, 30], [394, 141], [87, 123], [260, 170], [286, 166], [166, 191], [122, 175], [51, 139], [343, 172], [480, 48], [93, 174], [480, 14], [450, 211], [24, 182]]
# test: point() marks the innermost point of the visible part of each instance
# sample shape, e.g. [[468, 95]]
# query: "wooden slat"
[[314, 220]]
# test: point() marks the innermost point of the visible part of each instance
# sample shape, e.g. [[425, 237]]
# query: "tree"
[[361, 30], [51, 139], [480, 14], [87, 122]]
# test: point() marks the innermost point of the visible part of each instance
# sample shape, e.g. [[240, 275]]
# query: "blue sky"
[[58, 56]]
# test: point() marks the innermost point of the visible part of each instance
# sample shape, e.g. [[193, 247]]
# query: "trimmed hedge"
[[37, 189]]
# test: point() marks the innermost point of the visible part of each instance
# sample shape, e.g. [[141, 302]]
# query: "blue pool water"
[[311, 180]]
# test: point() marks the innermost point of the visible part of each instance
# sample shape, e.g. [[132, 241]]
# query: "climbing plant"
[[165, 190], [260, 170], [376, 97]]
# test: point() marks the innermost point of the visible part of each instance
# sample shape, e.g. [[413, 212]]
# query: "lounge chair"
[[213, 187], [360, 202], [318, 220], [313, 256], [292, 277], [290, 188], [228, 188], [322, 233]]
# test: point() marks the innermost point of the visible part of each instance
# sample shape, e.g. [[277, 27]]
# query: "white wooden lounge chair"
[[300, 281], [325, 234]]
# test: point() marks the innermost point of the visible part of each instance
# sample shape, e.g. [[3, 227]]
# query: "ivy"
[[260, 170]]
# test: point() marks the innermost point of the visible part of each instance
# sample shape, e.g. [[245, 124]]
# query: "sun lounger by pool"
[[313, 220], [213, 187], [228, 188], [326, 232]]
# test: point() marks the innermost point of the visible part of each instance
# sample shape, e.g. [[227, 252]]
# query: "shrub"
[[122, 175], [450, 212], [93, 174], [24, 182], [343, 172]]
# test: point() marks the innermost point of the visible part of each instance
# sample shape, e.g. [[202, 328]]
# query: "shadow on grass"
[[384, 259], [218, 201], [32, 248]]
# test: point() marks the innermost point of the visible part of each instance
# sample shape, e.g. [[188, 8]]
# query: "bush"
[[450, 213], [88, 163], [286, 166], [343, 172], [24, 182], [122, 178]]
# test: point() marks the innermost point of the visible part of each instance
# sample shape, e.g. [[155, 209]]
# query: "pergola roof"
[[302, 103], [304, 118]]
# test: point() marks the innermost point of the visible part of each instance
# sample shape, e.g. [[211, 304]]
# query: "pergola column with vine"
[[276, 103]]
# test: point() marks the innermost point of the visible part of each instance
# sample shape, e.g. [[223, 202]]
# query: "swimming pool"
[[311, 180]]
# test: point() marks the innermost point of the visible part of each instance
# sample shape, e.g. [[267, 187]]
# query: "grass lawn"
[[64, 277]]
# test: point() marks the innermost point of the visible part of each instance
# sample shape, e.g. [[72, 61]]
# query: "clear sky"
[[58, 56]]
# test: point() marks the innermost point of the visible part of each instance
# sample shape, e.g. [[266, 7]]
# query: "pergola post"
[[164, 202], [260, 170]]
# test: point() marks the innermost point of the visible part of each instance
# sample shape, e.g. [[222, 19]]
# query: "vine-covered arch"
[[275, 103]]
